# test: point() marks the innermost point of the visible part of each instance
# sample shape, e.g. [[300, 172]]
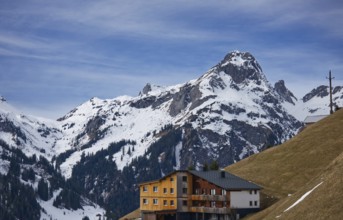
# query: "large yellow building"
[[198, 195]]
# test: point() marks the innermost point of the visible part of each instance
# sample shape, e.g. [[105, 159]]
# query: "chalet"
[[188, 194]]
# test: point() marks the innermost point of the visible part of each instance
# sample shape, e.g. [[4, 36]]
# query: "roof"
[[229, 182], [314, 118]]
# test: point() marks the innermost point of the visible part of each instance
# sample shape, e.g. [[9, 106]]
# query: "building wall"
[[182, 195], [160, 195], [245, 199]]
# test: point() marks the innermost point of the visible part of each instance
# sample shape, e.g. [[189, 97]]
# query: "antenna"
[[330, 83]]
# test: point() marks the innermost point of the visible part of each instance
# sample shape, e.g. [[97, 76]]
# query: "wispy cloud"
[[77, 49]]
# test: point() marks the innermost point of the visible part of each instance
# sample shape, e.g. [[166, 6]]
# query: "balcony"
[[211, 210], [210, 198]]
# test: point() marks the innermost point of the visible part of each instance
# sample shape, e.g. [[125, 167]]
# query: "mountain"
[[316, 102], [230, 111], [30, 186], [105, 147], [306, 169]]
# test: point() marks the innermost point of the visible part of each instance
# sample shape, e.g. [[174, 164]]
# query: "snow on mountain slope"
[[90, 210], [316, 102], [232, 109], [30, 134], [233, 94]]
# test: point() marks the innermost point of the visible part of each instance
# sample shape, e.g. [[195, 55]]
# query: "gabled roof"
[[228, 182], [314, 118]]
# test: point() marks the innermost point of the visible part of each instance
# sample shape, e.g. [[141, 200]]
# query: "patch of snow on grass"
[[302, 198]]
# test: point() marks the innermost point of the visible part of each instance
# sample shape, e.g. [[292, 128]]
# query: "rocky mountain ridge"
[[227, 114]]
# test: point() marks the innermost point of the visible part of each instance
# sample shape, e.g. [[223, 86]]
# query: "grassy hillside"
[[290, 170], [132, 215]]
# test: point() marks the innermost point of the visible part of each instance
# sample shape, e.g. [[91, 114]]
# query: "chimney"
[[222, 174]]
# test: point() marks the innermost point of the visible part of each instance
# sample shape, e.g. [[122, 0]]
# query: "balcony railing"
[[210, 198], [212, 210]]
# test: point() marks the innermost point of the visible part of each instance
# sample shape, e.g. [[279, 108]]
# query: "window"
[[223, 192], [155, 201], [171, 179], [171, 190], [155, 189], [172, 202], [197, 191], [213, 204], [184, 178], [184, 202], [250, 203], [145, 201], [145, 189], [164, 190], [213, 191], [255, 203], [184, 190], [165, 203], [255, 191], [250, 192]]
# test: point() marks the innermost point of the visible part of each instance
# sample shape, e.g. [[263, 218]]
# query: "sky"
[[55, 55]]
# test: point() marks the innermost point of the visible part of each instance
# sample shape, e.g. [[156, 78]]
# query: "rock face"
[[320, 91], [317, 102], [281, 89]]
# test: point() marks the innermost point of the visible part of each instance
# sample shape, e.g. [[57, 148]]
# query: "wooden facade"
[[159, 195], [206, 194]]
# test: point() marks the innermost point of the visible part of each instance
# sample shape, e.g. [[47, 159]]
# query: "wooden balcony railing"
[[210, 198], [212, 210]]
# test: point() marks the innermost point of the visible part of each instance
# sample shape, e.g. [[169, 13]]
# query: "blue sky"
[[55, 55]]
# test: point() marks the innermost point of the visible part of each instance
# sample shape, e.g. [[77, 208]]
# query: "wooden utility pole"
[[330, 83]]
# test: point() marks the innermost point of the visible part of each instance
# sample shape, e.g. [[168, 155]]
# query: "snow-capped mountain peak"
[[241, 66]]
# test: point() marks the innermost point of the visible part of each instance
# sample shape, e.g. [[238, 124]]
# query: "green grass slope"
[[290, 170]]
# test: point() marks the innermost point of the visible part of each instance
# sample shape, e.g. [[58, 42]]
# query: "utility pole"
[[330, 82]]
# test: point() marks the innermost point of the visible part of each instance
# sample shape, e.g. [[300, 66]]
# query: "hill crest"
[[290, 170]]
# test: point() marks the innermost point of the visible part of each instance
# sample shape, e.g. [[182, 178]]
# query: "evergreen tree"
[[17, 201], [43, 190], [28, 174], [191, 167], [214, 165], [205, 167], [14, 169]]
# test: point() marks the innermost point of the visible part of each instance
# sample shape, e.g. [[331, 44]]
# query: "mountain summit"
[[227, 114], [241, 66]]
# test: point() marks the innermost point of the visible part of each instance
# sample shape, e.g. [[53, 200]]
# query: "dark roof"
[[314, 118], [229, 182]]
